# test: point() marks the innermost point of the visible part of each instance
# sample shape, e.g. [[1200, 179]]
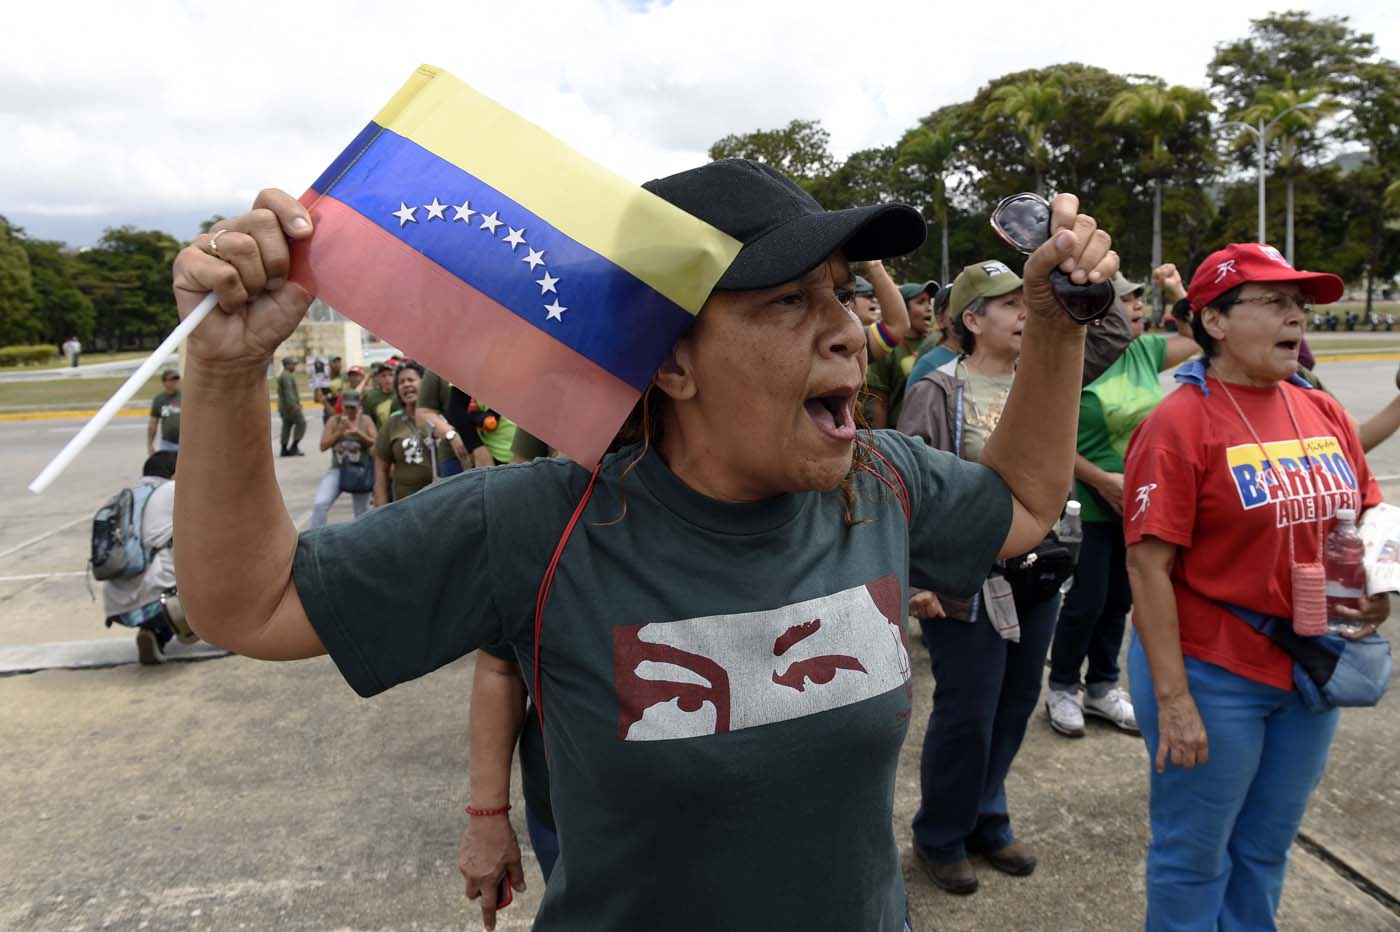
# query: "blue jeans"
[[544, 840], [1221, 831], [450, 466], [1095, 613], [986, 689], [326, 494]]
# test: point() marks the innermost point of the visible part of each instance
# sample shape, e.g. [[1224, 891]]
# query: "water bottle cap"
[[1072, 508], [1346, 514]]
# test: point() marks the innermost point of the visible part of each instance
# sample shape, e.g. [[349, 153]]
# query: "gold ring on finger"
[[212, 247]]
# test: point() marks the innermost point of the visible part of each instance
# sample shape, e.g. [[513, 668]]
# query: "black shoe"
[[285, 452], [149, 648], [957, 878], [295, 451]]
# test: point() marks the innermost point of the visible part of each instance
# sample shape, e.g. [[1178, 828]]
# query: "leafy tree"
[[127, 278], [1155, 112], [1375, 122], [62, 309], [1032, 104], [206, 225], [926, 154], [17, 298], [1287, 46], [799, 150], [1293, 115]]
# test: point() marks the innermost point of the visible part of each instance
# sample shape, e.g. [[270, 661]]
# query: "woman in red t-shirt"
[[1229, 483]]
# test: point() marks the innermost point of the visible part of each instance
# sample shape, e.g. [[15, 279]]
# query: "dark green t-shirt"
[[411, 450], [725, 686], [890, 373], [166, 409], [1110, 409], [288, 395]]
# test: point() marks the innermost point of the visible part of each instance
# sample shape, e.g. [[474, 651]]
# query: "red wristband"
[[498, 810]]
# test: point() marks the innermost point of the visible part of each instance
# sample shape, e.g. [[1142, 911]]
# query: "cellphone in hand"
[[504, 895]]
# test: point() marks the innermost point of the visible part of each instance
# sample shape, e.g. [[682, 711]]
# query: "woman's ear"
[[675, 377], [1212, 320], [972, 322]]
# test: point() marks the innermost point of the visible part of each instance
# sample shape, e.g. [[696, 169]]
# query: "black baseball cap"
[[785, 233]]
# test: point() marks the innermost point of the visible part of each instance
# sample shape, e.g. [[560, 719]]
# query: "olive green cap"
[[1122, 287], [990, 278], [911, 290]]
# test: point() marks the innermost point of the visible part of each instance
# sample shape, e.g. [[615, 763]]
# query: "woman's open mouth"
[[1288, 346], [832, 414]]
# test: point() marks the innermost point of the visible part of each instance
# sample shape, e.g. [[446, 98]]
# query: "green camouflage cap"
[[911, 290], [349, 398], [987, 279]]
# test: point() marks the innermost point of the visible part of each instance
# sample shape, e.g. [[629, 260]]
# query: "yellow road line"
[[89, 412], [1355, 357]]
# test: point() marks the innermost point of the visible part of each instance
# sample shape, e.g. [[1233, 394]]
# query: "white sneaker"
[[1066, 712], [1114, 705]]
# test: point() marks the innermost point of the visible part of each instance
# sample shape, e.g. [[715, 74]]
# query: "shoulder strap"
[[542, 596], [900, 490]]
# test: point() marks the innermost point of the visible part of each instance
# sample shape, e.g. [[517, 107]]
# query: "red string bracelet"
[[499, 810]]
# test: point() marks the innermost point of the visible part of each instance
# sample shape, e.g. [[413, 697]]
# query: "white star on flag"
[[547, 283], [535, 258], [435, 210], [490, 222], [515, 238], [464, 213], [405, 214], [555, 311]]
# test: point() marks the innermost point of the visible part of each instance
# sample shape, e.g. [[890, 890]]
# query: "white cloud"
[[143, 108]]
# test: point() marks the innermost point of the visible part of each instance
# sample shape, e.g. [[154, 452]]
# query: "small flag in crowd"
[[506, 262]]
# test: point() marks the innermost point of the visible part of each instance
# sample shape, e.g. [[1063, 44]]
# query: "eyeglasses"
[[1023, 222], [1276, 301]]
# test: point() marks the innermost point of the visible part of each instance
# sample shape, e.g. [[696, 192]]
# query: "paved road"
[[234, 794]]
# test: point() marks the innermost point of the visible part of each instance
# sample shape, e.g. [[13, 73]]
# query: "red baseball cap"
[[1241, 263]]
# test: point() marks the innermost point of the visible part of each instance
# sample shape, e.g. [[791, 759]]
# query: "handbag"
[[357, 476], [1036, 576], [1328, 671]]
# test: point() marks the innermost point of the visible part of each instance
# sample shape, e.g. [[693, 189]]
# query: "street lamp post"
[[1261, 139]]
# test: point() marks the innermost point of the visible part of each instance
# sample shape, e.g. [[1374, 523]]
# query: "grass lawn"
[[91, 393], [87, 359]]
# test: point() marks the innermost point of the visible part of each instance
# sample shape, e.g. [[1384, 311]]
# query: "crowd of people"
[[718, 646]]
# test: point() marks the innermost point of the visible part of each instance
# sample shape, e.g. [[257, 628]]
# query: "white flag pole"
[[114, 404]]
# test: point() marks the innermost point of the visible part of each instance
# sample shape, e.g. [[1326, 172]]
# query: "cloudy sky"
[[161, 113]]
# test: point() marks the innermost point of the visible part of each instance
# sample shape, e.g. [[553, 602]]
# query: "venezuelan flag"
[[503, 260]]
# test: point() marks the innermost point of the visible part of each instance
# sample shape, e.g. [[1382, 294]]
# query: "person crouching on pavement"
[[987, 653], [1232, 482], [136, 601]]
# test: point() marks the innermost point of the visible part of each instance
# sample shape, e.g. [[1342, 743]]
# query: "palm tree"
[[1293, 114], [1033, 104], [1392, 196], [1155, 111], [929, 151]]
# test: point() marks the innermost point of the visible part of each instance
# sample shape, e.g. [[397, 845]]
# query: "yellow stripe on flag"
[[677, 254]]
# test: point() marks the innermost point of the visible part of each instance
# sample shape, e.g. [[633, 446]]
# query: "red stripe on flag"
[[392, 290]]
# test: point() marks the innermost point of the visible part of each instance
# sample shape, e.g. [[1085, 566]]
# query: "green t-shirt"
[[890, 373], [377, 405], [500, 441], [726, 686], [1110, 409], [410, 449], [984, 399], [288, 397], [166, 409]]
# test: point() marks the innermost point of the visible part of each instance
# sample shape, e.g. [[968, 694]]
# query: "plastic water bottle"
[[1346, 572], [1070, 532]]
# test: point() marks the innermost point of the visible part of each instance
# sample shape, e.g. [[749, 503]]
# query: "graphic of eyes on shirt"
[[349, 451], [166, 410], [710, 675], [1302, 488]]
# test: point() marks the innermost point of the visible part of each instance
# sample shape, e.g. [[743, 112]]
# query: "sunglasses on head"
[[1023, 222]]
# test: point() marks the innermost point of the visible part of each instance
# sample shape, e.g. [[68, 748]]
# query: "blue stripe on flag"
[[612, 317]]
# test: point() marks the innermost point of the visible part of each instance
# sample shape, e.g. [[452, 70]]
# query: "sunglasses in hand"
[[1023, 222]]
